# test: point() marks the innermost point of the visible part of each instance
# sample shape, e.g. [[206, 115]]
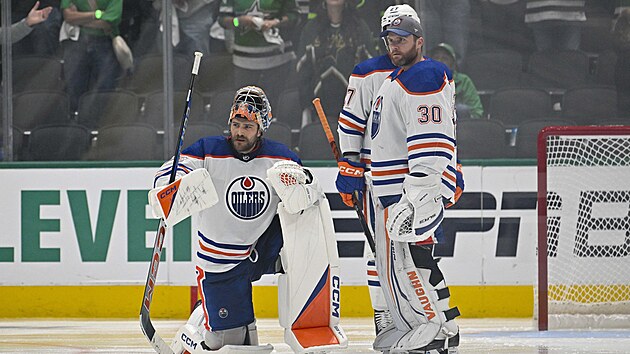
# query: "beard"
[[242, 144], [405, 58]]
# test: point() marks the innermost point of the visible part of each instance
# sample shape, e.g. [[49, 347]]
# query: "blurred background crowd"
[[519, 65]]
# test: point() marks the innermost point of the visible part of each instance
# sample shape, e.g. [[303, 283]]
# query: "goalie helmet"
[[396, 11], [251, 103]]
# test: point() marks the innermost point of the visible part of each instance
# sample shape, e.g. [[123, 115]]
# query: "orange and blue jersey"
[[227, 232]]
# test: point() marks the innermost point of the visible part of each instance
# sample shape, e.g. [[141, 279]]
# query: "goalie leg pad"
[[308, 292], [413, 319], [436, 286]]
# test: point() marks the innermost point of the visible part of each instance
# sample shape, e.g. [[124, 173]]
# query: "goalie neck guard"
[[251, 103]]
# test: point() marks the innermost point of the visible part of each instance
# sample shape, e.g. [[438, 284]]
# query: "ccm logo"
[[166, 192], [350, 171], [191, 343], [335, 296]]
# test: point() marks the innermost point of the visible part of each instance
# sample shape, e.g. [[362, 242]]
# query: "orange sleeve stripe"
[[431, 145], [351, 125], [390, 172], [207, 249], [450, 177]]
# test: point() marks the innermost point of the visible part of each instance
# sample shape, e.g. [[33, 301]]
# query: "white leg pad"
[[308, 292], [188, 339]]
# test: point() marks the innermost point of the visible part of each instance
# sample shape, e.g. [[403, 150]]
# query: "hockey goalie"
[[267, 215]]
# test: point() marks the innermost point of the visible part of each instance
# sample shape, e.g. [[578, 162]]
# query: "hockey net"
[[584, 182]]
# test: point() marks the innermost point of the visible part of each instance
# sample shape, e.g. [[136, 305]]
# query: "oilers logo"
[[247, 197], [376, 116]]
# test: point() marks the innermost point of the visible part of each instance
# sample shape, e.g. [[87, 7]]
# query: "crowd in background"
[[305, 49]]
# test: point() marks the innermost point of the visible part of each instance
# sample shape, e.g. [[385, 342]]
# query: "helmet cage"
[[250, 102]]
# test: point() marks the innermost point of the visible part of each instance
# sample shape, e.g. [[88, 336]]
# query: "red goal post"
[[583, 227]]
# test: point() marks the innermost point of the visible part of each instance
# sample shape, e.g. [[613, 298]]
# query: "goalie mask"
[[250, 102]]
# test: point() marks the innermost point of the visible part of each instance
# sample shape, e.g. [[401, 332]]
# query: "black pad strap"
[[443, 293], [451, 313]]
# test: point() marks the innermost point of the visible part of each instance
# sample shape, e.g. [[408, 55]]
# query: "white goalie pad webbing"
[[190, 194], [309, 291], [297, 188]]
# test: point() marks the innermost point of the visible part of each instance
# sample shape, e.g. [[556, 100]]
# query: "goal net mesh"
[[588, 230]]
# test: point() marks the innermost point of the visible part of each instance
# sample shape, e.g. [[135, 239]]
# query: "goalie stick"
[[145, 320], [337, 154]]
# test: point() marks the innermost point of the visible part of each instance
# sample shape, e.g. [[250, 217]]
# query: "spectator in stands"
[[194, 19], [89, 59], [446, 21], [24, 27], [330, 45], [557, 25], [621, 42], [467, 99], [503, 26], [261, 55], [43, 40]]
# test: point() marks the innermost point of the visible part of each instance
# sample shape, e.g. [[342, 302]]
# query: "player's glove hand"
[[350, 179], [459, 186]]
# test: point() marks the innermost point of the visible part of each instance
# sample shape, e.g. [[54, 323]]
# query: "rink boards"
[[76, 241]]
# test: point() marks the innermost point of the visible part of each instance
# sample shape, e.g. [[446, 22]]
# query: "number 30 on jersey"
[[430, 114]]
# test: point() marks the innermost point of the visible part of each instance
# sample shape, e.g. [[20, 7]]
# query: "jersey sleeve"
[[191, 159], [353, 116]]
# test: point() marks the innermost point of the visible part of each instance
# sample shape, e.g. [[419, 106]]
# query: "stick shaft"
[[145, 319], [335, 149]]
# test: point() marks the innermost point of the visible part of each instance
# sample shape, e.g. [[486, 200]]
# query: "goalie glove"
[[419, 212], [350, 179], [295, 185]]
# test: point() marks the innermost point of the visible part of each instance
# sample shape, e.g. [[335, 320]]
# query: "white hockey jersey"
[[227, 232], [365, 80], [413, 128]]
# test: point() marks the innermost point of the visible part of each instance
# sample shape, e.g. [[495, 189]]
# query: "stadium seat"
[[153, 111], [127, 142], [198, 130], [493, 69], [313, 144], [33, 108], [558, 69], [100, 108], [36, 73], [220, 106], [147, 76], [481, 139], [589, 104], [288, 109], [514, 105], [279, 132], [527, 135], [605, 68], [58, 142], [216, 73]]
